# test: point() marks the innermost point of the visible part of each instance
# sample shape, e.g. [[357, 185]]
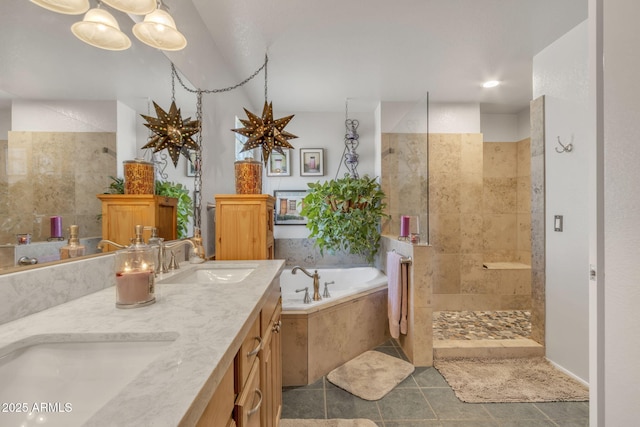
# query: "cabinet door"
[[120, 219], [241, 232], [219, 411]]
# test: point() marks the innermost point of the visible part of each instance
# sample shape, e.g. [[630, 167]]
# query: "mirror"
[[54, 91]]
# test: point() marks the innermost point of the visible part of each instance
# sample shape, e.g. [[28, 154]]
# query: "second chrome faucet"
[[316, 281]]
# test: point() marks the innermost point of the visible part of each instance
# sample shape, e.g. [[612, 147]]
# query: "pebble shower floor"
[[481, 325]]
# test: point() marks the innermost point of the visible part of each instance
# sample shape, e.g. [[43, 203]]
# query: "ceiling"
[[320, 53], [323, 52]]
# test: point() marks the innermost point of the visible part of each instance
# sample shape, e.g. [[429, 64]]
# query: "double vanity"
[[206, 353]]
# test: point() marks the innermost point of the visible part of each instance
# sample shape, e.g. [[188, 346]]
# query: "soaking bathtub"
[[344, 284], [322, 335]]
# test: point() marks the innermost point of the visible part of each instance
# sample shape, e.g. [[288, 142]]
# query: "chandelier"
[[100, 29]]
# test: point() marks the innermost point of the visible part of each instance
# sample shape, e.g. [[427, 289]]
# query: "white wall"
[[505, 127], [322, 130], [411, 117], [5, 122], [560, 73], [621, 208], [125, 136], [63, 116]]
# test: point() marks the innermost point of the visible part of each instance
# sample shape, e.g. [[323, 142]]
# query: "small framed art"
[[191, 163], [311, 162], [288, 207], [279, 164]]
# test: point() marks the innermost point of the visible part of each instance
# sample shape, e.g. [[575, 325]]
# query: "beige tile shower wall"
[[475, 216], [404, 179], [523, 201], [55, 173]]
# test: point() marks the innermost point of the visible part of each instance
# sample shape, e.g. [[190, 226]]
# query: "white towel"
[[394, 289]]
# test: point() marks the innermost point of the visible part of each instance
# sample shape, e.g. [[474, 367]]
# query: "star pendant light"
[[265, 132], [171, 132]]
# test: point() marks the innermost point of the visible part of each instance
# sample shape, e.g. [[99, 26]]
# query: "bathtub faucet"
[[316, 281]]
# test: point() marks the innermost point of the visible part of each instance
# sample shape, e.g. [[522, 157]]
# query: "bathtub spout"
[[316, 281]]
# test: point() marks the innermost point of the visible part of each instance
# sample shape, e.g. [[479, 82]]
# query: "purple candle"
[[56, 226], [404, 226]]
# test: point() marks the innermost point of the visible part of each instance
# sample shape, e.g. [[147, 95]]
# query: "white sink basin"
[[71, 379], [213, 274]]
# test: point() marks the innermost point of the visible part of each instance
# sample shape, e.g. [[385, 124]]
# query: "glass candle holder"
[[135, 277], [23, 238]]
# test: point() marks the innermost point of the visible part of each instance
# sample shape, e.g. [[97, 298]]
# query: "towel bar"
[[404, 259]]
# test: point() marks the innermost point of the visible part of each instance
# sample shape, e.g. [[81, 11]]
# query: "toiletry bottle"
[[155, 242], [135, 273], [73, 248]]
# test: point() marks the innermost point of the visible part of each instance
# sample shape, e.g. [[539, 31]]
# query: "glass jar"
[[135, 276], [248, 176]]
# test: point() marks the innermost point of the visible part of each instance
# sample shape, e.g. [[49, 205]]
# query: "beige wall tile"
[[56, 173], [500, 232], [524, 157], [445, 232], [471, 233], [523, 195], [446, 273], [499, 195], [500, 160], [294, 350]]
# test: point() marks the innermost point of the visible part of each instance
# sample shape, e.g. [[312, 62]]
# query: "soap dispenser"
[[135, 275], [73, 248], [156, 243]]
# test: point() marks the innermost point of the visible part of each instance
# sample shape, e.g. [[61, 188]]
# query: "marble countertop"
[[209, 322]]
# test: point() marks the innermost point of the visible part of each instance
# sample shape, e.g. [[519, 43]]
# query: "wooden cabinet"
[[250, 394], [122, 212], [244, 226], [271, 370], [219, 411]]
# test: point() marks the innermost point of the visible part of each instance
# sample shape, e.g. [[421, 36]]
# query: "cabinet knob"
[[277, 326]]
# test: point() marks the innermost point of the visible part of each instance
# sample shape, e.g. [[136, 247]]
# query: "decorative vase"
[[248, 176], [139, 177]]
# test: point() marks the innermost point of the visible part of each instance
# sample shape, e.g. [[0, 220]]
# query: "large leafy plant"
[[345, 214], [167, 189]]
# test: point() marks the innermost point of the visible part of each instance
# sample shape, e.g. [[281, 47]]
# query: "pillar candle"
[[134, 287], [404, 226], [56, 226]]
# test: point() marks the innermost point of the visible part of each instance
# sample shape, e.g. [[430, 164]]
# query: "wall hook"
[[565, 148]]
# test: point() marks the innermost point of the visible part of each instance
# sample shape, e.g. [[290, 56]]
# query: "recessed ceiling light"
[[491, 83]]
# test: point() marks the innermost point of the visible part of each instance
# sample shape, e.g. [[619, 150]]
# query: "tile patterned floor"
[[481, 325], [424, 399]]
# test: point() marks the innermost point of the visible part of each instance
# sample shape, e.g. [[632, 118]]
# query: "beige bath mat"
[[478, 380], [327, 423], [371, 375]]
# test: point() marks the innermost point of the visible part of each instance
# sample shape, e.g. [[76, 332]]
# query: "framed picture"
[[311, 162], [288, 207], [191, 163], [279, 164]]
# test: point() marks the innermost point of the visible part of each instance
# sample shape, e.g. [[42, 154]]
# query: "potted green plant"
[[345, 214], [167, 189]]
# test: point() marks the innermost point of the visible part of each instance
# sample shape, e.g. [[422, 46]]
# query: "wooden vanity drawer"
[[249, 403], [248, 353]]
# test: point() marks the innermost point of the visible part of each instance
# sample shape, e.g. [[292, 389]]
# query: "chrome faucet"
[[195, 242], [25, 260], [102, 242], [316, 281]]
